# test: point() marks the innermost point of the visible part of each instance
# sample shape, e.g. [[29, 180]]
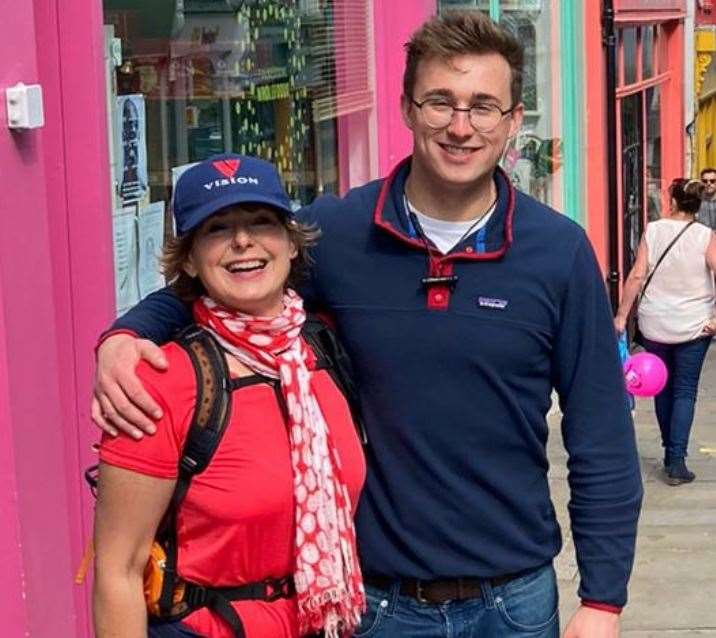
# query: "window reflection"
[[653, 154], [647, 51], [628, 40], [257, 77]]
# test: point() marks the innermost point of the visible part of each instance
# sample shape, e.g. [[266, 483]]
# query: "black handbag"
[[637, 336]]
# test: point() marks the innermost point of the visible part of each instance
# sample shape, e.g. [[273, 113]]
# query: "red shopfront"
[[636, 117]]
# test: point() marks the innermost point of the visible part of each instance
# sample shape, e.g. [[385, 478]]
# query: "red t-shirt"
[[236, 524]]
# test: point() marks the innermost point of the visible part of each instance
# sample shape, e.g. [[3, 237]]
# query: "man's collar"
[[391, 216]]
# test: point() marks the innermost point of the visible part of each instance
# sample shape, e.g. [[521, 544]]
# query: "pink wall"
[[12, 607], [36, 596], [395, 21], [56, 292]]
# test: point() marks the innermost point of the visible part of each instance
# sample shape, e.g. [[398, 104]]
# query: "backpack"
[[168, 597]]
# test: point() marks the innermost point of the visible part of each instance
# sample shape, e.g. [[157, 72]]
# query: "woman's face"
[[243, 256]]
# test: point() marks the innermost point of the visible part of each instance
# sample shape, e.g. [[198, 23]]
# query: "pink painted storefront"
[[58, 228]]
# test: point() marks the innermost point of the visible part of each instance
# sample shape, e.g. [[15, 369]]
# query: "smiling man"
[[464, 304]]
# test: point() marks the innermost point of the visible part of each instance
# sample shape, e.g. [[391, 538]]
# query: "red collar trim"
[[415, 243], [380, 205]]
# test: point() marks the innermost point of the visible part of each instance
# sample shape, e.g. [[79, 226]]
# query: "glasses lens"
[[437, 114], [485, 117]]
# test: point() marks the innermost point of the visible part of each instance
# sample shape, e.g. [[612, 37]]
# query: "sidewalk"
[[672, 592]]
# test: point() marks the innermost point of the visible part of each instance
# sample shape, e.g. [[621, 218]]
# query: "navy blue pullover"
[[456, 382]]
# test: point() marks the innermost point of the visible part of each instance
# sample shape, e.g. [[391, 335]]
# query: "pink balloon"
[[645, 374]]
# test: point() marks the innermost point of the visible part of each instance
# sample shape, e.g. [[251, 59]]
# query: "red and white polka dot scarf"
[[328, 581]]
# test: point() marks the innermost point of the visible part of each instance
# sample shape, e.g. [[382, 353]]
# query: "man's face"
[[709, 180], [457, 155]]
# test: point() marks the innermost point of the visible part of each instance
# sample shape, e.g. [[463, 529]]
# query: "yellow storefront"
[[705, 98]]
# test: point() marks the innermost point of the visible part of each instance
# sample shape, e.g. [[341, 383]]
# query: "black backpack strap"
[[211, 416], [332, 357]]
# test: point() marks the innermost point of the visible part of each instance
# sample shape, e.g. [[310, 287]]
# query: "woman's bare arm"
[[632, 286], [711, 254], [129, 508]]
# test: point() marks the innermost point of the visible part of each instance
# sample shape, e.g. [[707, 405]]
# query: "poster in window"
[[131, 148]]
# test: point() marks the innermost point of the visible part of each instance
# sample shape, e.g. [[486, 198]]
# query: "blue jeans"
[[522, 608], [675, 404]]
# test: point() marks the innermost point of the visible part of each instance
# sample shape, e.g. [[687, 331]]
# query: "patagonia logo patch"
[[492, 302]]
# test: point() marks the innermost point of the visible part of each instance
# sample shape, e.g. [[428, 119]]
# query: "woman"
[[276, 499], [675, 314]]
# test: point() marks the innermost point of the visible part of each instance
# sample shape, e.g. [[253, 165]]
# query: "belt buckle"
[[419, 593]]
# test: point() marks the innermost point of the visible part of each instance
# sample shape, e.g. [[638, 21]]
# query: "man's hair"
[[706, 170], [176, 252], [687, 193], [460, 32]]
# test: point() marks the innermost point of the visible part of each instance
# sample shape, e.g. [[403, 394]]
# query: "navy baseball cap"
[[225, 180]]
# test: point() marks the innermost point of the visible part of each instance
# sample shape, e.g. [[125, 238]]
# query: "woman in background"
[[675, 314]]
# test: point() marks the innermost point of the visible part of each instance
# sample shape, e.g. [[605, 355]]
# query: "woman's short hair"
[[176, 252], [461, 32], [687, 193]]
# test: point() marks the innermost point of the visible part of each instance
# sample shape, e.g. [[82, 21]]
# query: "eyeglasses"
[[708, 181], [438, 113]]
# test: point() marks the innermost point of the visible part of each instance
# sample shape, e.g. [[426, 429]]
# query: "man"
[[707, 212], [463, 303]]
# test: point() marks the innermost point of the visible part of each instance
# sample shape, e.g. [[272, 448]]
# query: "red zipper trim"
[[471, 256]]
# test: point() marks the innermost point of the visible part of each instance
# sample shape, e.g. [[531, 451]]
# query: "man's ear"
[[406, 110], [516, 117]]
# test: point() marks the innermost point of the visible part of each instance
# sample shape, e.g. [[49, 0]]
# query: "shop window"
[[533, 158], [661, 49], [627, 39], [654, 189], [647, 51], [271, 78]]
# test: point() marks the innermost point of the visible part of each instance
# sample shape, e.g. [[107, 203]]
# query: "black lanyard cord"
[[440, 280]]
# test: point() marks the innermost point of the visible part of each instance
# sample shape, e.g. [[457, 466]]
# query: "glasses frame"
[[457, 109], [708, 181]]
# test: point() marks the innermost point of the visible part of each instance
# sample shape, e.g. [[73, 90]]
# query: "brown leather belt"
[[438, 591]]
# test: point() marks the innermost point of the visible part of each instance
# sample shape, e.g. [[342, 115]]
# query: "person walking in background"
[[707, 211], [675, 313]]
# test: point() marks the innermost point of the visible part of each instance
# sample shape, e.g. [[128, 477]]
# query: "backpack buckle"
[[195, 596], [188, 464]]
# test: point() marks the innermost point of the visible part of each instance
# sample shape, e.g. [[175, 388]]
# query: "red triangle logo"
[[227, 167]]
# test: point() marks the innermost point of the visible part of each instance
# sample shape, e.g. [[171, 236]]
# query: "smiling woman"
[[263, 491], [243, 231]]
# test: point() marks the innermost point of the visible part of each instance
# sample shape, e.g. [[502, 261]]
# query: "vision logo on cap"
[[228, 168]]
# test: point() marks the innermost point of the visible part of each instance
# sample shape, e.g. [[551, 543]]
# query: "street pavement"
[[672, 592]]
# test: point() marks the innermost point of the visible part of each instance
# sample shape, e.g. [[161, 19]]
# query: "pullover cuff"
[[612, 609]]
